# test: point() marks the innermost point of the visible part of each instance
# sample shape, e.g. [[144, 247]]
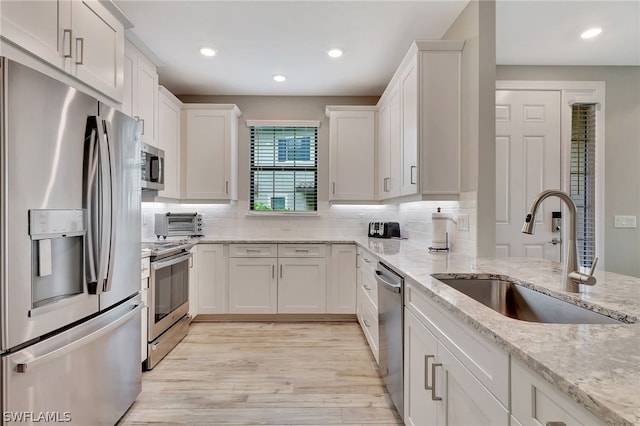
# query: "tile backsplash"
[[234, 220]]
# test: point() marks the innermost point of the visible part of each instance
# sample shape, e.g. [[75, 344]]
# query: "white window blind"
[[284, 168], [582, 178]]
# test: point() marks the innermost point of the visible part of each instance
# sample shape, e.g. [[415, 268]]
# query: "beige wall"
[[283, 108], [476, 25], [622, 150]]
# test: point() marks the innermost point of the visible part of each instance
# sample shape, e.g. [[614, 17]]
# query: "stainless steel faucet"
[[573, 276]]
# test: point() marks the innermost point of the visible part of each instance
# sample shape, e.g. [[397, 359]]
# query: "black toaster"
[[384, 229]]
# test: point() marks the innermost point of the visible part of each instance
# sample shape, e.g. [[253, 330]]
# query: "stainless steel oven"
[[168, 298]]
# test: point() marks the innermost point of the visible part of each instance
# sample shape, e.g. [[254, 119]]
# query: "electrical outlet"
[[463, 222], [624, 221]]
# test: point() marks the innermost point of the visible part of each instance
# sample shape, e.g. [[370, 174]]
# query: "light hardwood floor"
[[266, 373]]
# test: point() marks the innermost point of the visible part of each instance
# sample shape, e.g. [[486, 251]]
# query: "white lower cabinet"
[[341, 287], [302, 285], [253, 285], [439, 389], [367, 300], [210, 278], [535, 402], [453, 376]]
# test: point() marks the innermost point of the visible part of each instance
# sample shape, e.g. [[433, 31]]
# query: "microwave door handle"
[[91, 165], [104, 208]]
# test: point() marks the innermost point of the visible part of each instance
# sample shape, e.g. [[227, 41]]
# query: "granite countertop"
[[598, 366]]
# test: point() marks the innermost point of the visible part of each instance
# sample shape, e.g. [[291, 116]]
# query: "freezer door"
[[41, 163], [88, 375], [123, 136]]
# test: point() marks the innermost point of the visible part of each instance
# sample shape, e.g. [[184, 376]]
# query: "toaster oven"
[[178, 225]]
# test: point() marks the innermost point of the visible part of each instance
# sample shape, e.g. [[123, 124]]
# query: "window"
[[284, 168], [582, 178]]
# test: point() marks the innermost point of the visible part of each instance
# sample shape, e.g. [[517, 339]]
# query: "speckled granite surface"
[[598, 366]]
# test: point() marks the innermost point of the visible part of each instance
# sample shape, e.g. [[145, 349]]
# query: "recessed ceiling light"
[[207, 51], [279, 78], [591, 33], [335, 53]]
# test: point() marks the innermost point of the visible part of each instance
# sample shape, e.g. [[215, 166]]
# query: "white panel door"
[[527, 162], [211, 280], [253, 286]]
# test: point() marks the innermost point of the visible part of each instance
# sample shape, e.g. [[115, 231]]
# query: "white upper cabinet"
[[169, 116], [352, 145], [211, 152], [80, 37], [140, 99], [419, 125]]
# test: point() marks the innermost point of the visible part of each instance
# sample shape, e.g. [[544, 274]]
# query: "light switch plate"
[[463, 222], [624, 221]]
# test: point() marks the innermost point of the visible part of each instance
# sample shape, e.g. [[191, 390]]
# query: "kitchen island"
[[595, 365]]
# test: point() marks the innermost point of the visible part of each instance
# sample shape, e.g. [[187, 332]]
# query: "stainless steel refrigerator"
[[70, 316]]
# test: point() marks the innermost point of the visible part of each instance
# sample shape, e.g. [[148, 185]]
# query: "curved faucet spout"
[[573, 276]]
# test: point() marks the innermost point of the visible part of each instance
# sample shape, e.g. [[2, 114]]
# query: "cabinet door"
[[420, 351], [130, 73], [341, 288], [41, 27], [208, 157], [98, 48], [211, 279], [302, 285], [384, 151], [147, 100], [169, 141], [464, 400], [352, 145], [395, 142], [253, 286], [409, 128]]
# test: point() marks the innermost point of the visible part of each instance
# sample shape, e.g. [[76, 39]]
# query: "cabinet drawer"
[[144, 268], [301, 250], [535, 402], [486, 361], [253, 250], [370, 287], [367, 262], [368, 317]]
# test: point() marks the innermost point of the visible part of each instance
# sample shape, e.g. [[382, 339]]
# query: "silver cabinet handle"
[[555, 424], [366, 287], [386, 184], [302, 250], [411, 178], [334, 188], [226, 187], [142, 121], [280, 271], [69, 35], [433, 382], [366, 323], [273, 271], [426, 372], [80, 41]]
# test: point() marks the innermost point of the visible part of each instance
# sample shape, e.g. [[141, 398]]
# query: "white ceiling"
[[256, 39]]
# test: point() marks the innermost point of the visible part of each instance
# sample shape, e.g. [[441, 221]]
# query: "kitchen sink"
[[515, 301]]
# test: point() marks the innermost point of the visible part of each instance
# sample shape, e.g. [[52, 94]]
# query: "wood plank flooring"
[[278, 373]]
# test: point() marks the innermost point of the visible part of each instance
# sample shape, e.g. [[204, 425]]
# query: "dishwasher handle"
[[394, 288]]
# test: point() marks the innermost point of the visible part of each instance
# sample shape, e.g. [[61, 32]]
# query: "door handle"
[[411, 177], [80, 42], [426, 372], [433, 382], [555, 241], [69, 35]]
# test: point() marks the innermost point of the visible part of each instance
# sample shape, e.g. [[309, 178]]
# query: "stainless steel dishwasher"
[[390, 323]]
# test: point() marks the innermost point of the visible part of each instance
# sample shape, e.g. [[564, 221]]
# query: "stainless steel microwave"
[[152, 168]]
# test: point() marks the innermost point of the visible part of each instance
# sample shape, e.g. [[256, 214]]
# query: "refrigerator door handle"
[[91, 165], [113, 206], [28, 365], [105, 209]]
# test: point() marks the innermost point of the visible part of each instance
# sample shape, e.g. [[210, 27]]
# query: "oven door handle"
[[173, 261]]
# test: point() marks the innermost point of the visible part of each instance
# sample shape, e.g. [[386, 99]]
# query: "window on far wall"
[[284, 168], [583, 178]]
